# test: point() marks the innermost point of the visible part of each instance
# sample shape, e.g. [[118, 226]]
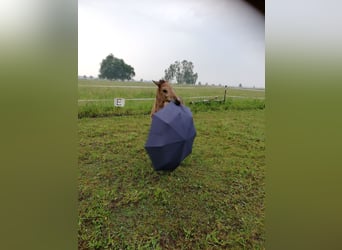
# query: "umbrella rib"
[[168, 124]]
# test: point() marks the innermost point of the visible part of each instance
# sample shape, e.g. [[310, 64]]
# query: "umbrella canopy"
[[171, 136]]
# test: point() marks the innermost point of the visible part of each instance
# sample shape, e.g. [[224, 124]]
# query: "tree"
[[182, 71], [113, 68]]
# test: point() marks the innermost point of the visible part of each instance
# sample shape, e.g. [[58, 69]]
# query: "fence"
[[149, 99]]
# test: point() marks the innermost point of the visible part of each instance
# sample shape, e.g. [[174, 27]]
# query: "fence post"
[[225, 93]]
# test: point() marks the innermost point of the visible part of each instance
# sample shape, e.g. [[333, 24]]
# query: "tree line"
[[182, 71], [113, 68]]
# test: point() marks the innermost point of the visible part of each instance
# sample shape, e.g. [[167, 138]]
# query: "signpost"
[[119, 102]]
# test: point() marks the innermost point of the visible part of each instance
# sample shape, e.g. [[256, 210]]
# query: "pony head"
[[165, 92], [164, 95]]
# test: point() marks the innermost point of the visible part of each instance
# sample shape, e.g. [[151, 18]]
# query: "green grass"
[[103, 109], [104, 96], [104, 93], [100, 89], [213, 200]]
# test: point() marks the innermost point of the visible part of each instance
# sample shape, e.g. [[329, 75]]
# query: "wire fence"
[[149, 99]]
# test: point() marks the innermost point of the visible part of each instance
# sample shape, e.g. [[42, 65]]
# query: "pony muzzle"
[[177, 101]]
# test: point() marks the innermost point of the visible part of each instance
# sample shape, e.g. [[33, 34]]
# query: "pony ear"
[[159, 82]]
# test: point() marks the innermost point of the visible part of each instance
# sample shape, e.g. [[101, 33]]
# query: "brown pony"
[[165, 94]]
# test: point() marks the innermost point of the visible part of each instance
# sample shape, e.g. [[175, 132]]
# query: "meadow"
[[96, 97], [213, 200]]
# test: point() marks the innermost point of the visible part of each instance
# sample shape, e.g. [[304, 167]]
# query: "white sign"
[[119, 102]]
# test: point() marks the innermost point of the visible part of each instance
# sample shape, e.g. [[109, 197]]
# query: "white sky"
[[225, 39]]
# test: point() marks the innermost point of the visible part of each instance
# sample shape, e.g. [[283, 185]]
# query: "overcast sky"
[[225, 39]]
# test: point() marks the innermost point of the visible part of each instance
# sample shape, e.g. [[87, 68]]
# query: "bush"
[[230, 104]]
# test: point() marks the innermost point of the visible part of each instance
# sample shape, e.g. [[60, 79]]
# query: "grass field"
[[90, 89], [96, 97], [213, 200]]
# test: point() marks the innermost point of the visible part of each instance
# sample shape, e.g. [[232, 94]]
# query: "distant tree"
[[240, 85], [85, 77], [182, 71], [91, 77], [170, 72], [141, 79], [199, 83], [113, 68]]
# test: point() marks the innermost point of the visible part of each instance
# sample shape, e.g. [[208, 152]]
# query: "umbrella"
[[171, 136]]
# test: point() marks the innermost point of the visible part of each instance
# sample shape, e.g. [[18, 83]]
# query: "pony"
[[164, 96]]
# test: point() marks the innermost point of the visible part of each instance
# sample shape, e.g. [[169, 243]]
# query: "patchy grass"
[[213, 200]]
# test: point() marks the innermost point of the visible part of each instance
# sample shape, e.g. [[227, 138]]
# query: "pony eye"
[[164, 90]]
